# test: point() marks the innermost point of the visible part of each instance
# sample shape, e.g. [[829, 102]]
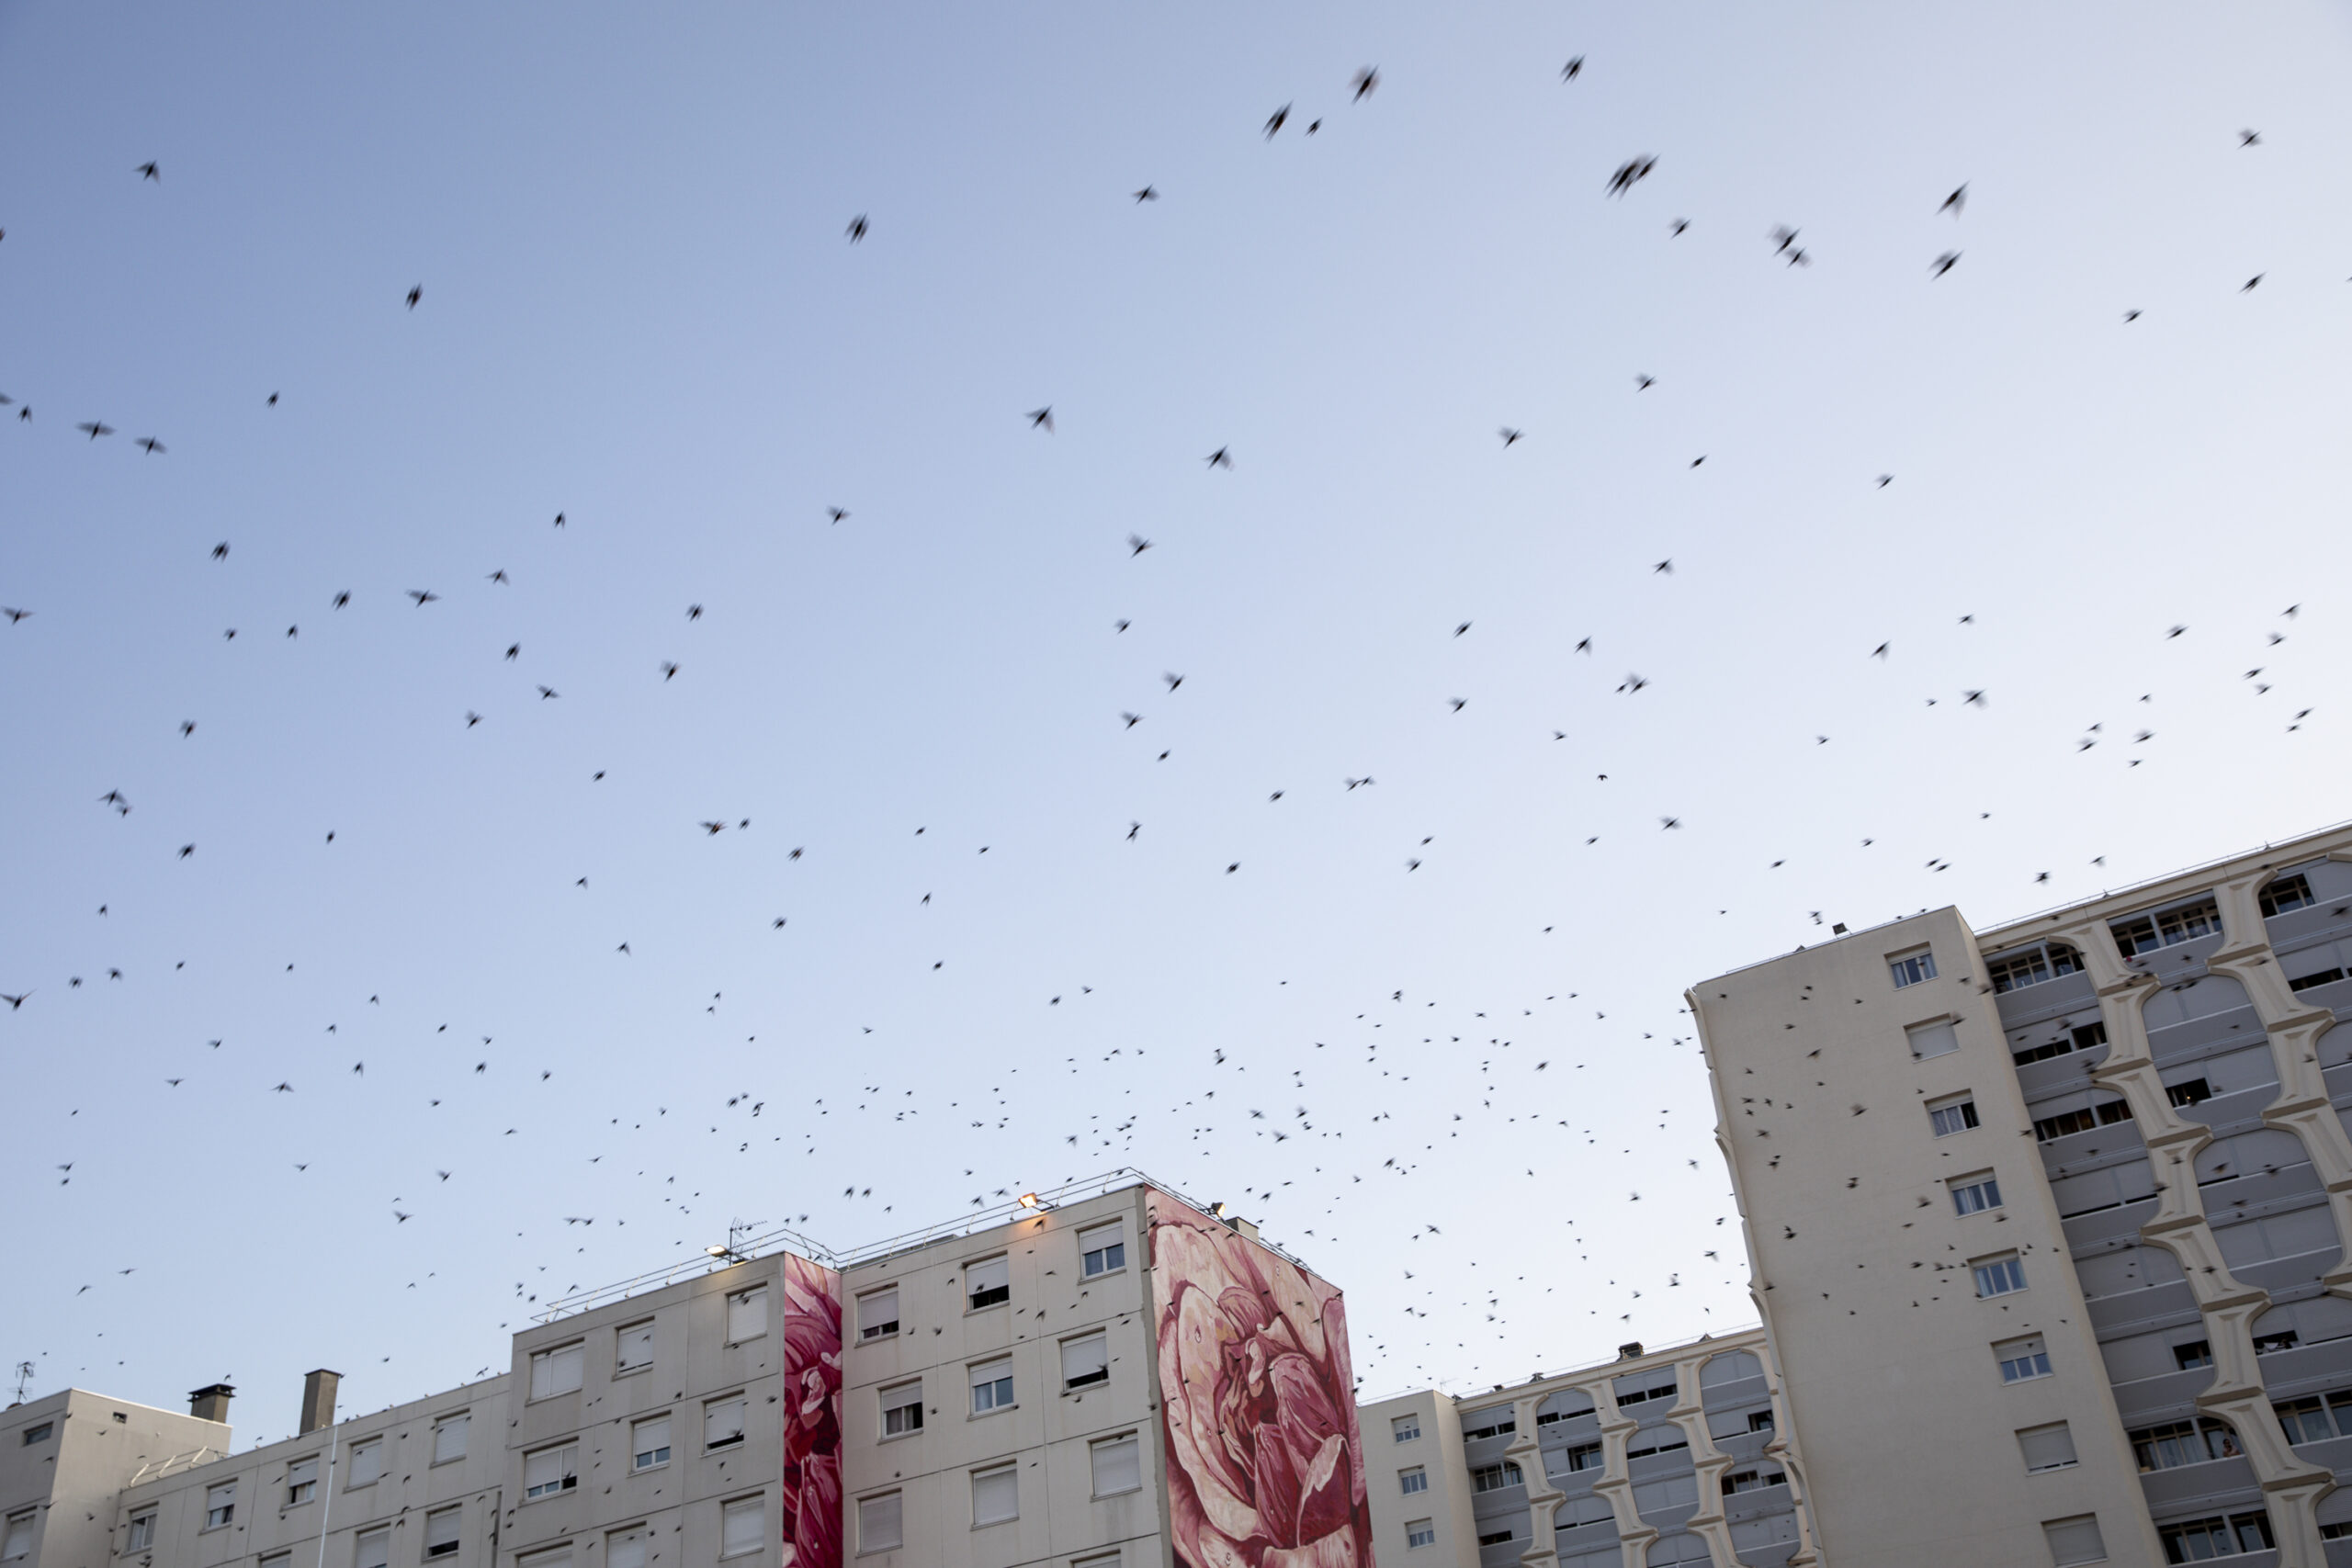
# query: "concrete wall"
[[1437, 1452], [70, 1480]]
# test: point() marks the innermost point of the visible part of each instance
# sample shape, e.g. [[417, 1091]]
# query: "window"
[[2046, 1447], [1494, 1477], [1656, 1440], [987, 1282], [1411, 1481], [1999, 1276], [2193, 1355], [367, 1462], [1101, 1250], [1912, 969], [1740, 1481], [1419, 1533], [2323, 978], [2032, 967], [996, 1495], [742, 1525], [2082, 1119], [553, 1557], [2164, 930], [903, 1409], [1086, 1363], [1957, 1114], [277, 1560], [1936, 1039], [372, 1548], [1974, 1194], [722, 1422], [2196, 1091], [2216, 1537], [2177, 1443], [2282, 1340], [550, 1470], [301, 1481], [2023, 1359], [877, 1314], [1760, 1420], [441, 1534], [747, 1315], [16, 1540], [219, 1505], [1118, 1465], [1489, 1427], [991, 1386], [649, 1443], [2081, 1038], [449, 1437], [558, 1370], [142, 1530], [879, 1524], [633, 1348], [2310, 1420], [630, 1548], [38, 1432], [1405, 1428], [2074, 1540], [1584, 1456], [1495, 1538], [2287, 893]]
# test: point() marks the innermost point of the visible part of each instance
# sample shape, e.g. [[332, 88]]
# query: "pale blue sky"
[[639, 309]]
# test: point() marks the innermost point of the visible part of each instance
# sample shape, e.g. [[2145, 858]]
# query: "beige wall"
[[95, 1447], [1438, 1452], [1862, 1267]]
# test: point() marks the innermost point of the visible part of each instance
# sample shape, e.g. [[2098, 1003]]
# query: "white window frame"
[[456, 1514], [16, 1535], [1000, 1371], [220, 1506], [883, 1328], [644, 1455], [1405, 1428], [989, 1476], [567, 1480], [1412, 1481], [2005, 1270], [713, 1410], [301, 1484], [1419, 1533], [1002, 1264], [2029, 1351], [1098, 1242], [745, 1302], [1915, 967], [639, 1534], [898, 1521], [1976, 1194], [551, 1366], [142, 1531], [2058, 1430], [1942, 1034], [366, 1545], [461, 1422], [1132, 1443], [546, 1557], [370, 1450], [1089, 1379], [732, 1510], [901, 1396], [639, 1333], [1967, 1118]]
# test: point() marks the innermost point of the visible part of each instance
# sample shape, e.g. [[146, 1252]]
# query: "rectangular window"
[[1936, 1039], [372, 1548], [442, 1537], [1999, 1276], [1496, 1537], [722, 1422], [1086, 1363], [142, 1530], [553, 1557], [880, 1527], [219, 1505], [1912, 969], [550, 1470], [1760, 1420], [2196, 1091], [2074, 1540], [277, 1560], [2287, 893], [2197, 1539], [1974, 1194], [630, 1548], [2168, 929], [878, 1314], [742, 1525], [991, 1386], [2023, 1359], [747, 1315], [1419, 1533], [1490, 1427], [633, 1348], [1584, 1456], [301, 1481], [1118, 1465], [1101, 1250], [2323, 977], [649, 1443], [2067, 1123], [1656, 1441], [449, 1437], [1741, 1481], [17, 1537], [2266, 1343], [1957, 1114], [1405, 1428], [2176, 1443], [558, 1370], [1494, 1477], [987, 1282], [366, 1465], [996, 1495], [2308, 1420], [2196, 1353], [903, 1409], [1411, 1481], [2046, 1447], [38, 1432]]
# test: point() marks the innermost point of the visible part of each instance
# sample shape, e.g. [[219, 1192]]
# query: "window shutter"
[[441, 1532], [626, 1549], [636, 1348], [18, 1543], [996, 1274], [449, 1439], [744, 1526], [996, 1495], [2047, 1448], [1086, 1361], [2074, 1540], [1118, 1466], [877, 1314], [546, 1472], [558, 1557], [652, 1437], [557, 1372], [722, 1423], [373, 1549], [747, 1315], [880, 1526], [367, 1461], [1936, 1039]]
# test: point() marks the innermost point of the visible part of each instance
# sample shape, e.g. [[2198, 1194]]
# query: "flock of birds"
[[1238, 1126]]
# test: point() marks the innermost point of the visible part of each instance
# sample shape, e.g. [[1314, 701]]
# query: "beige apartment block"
[[64, 1457], [2047, 1222]]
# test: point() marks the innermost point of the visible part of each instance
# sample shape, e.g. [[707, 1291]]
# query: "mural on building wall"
[[1265, 1469], [813, 1418]]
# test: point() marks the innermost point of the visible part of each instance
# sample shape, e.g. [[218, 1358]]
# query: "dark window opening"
[[2196, 1091], [2287, 893], [2193, 1355], [2305, 982]]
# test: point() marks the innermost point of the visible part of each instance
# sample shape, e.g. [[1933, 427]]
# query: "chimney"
[[1630, 1351], [318, 1399], [210, 1403]]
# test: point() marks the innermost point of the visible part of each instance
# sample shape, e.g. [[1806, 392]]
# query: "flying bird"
[[1041, 419], [1631, 173], [1944, 264], [414, 295], [1680, 225], [1366, 81], [836, 514], [2250, 282], [1643, 383], [1221, 459], [1955, 201], [99, 428], [221, 550], [13, 613], [2246, 139], [152, 446], [1510, 436], [1274, 121], [422, 597], [149, 170], [1148, 193], [547, 691], [1573, 69], [856, 230], [1172, 679], [1137, 545], [341, 599], [500, 576]]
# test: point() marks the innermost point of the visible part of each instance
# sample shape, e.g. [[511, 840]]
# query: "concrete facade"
[[64, 1458]]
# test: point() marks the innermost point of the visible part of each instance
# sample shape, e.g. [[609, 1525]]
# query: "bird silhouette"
[[856, 230], [1573, 69], [1956, 202], [1274, 121], [414, 295], [1041, 419]]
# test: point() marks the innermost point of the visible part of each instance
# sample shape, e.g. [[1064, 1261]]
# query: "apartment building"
[[1683, 1456], [1065, 1383], [2047, 1222]]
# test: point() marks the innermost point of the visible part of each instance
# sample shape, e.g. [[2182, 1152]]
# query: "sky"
[[417, 952]]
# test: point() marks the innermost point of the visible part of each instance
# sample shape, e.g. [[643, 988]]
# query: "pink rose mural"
[[1265, 1469], [812, 1415]]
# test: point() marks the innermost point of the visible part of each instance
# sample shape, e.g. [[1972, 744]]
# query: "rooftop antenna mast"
[[24, 1380]]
